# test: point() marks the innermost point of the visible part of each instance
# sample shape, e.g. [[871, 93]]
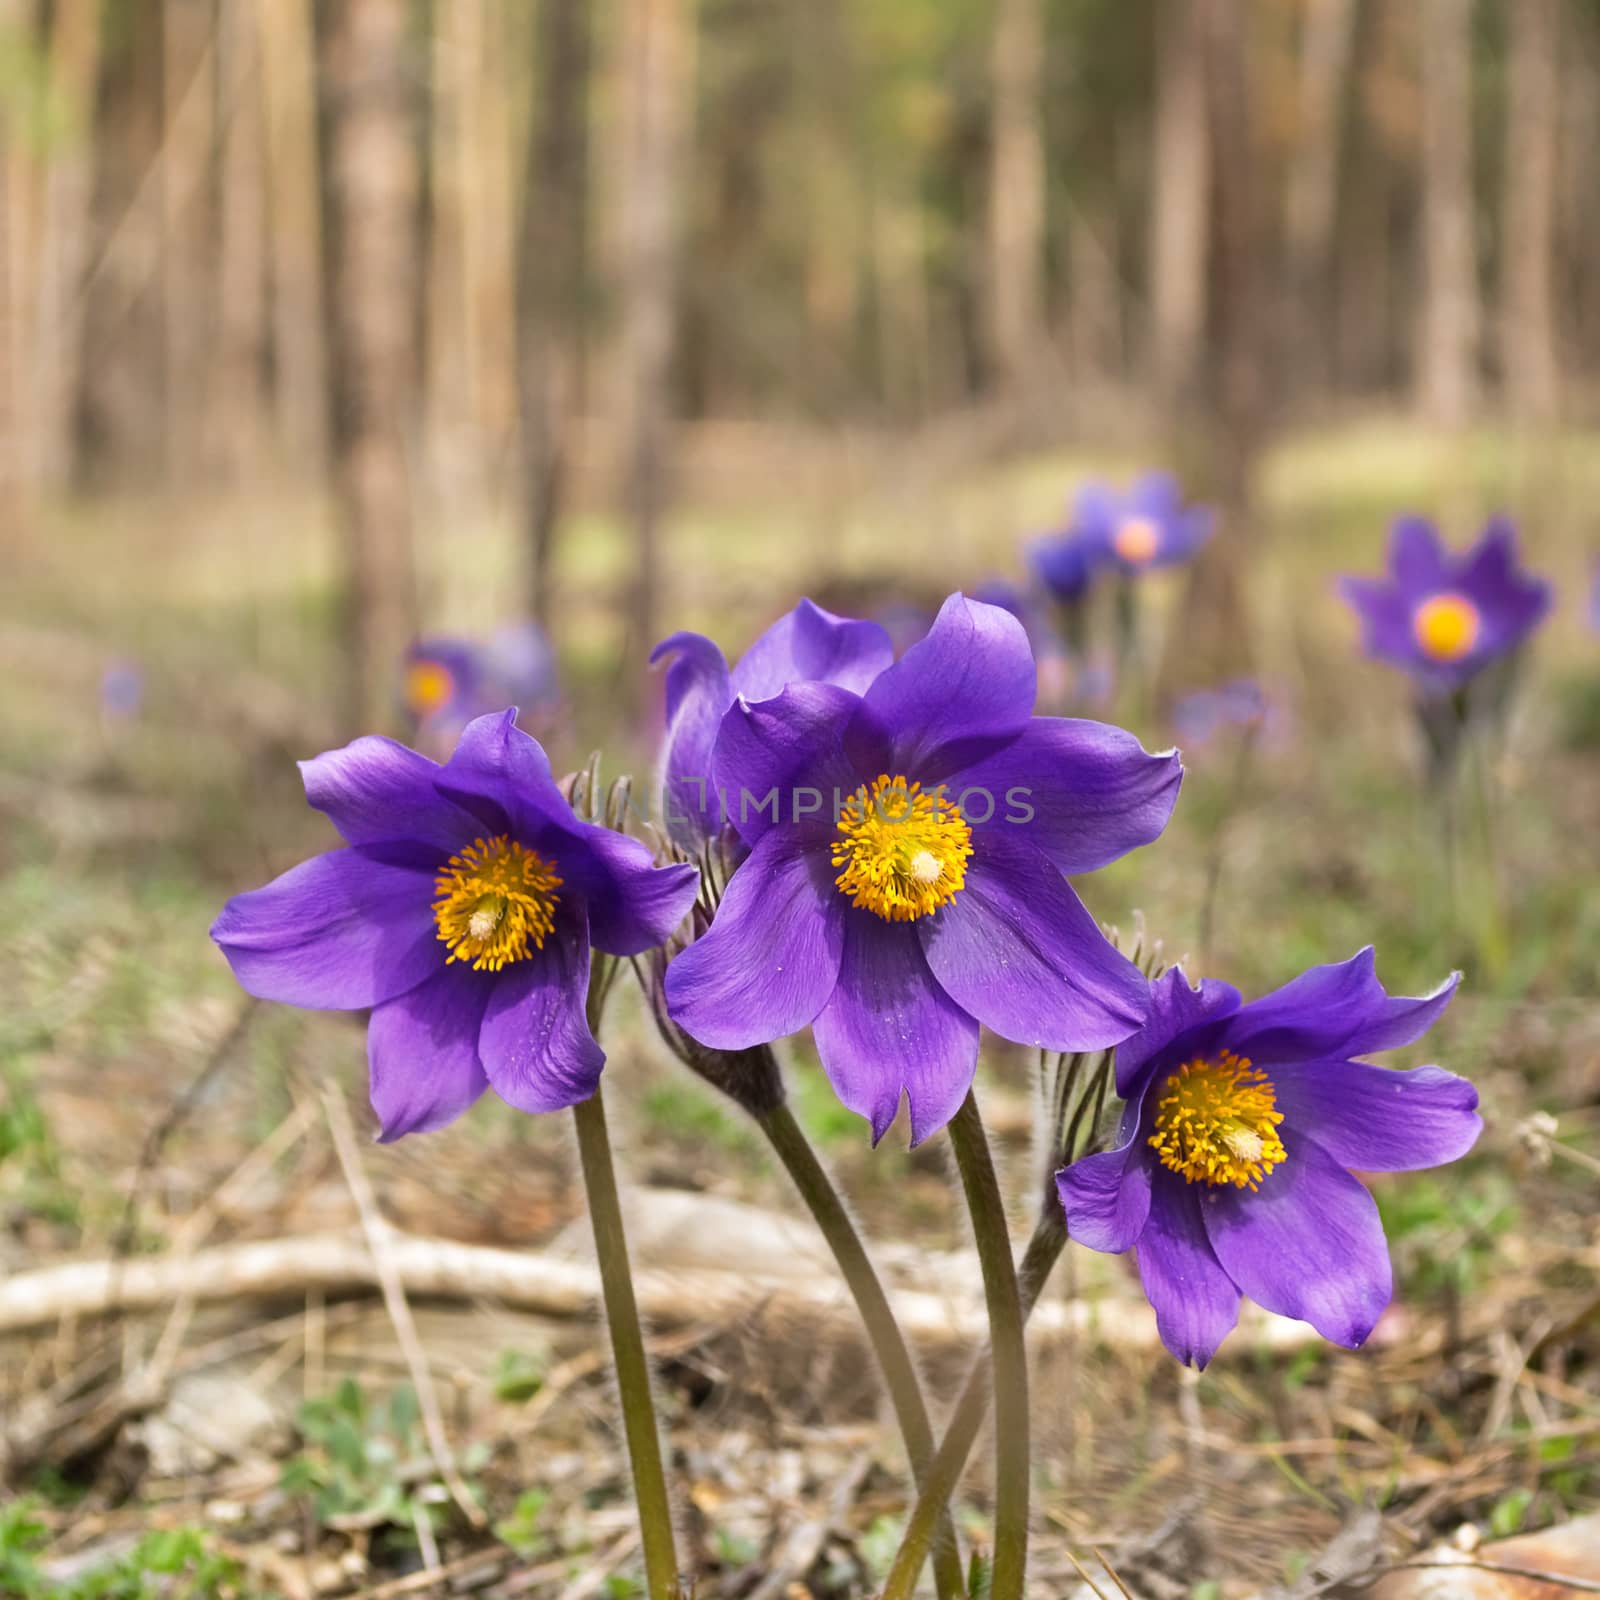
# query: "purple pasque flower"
[[461, 910], [1064, 564], [440, 679], [805, 645], [447, 682], [1230, 1175], [905, 877], [1443, 617], [1141, 528]]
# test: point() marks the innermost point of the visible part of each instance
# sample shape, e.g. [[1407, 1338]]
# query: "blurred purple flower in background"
[[462, 911], [929, 896], [1241, 705], [1443, 617], [1594, 600], [806, 645], [122, 687], [1137, 530], [1230, 1175], [448, 681], [1064, 563]]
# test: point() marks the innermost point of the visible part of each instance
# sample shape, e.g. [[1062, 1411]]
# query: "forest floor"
[[263, 1435]]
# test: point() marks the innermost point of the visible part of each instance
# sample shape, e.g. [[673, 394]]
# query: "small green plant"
[[518, 1376], [168, 1564], [877, 1546], [524, 1530], [734, 1549], [21, 1535], [365, 1463]]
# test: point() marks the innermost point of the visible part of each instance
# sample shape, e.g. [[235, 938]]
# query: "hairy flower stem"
[[1009, 1363], [950, 1461], [622, 1317], [793, 1149]]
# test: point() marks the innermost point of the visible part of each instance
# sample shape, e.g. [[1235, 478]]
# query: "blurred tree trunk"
[[1094, 308], [448, 356], [830, 91], [237, 410], [1578, 89], [373, 245], [469, 279], [69, 187], [1179, 192], [188, 100], [1528, 338], [1325, 49], [1448, 358], [1213, 639], [15, 254], [552, 283], [657, 60], [295, 238], [1016, 213]]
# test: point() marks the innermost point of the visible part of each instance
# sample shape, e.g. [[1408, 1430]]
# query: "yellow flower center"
[[1217, 1122], [429, 685], [497, 902], [1446, 626], [904, 852], [1136, 540]]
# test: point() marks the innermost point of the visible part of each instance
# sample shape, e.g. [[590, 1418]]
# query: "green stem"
[[794, 1150], [1009, 1363], [950, 1460], [627, 1349]]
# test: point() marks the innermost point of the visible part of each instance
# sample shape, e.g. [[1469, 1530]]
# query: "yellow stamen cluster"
[[1217, 1122], [1446, 626], [904, 852], [1136, 540], [496, 903], [429, 685]]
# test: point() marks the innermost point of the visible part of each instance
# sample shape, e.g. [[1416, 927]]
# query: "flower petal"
[[1417, 557], [890, 1028], [698, 694], [1175, 1010], [535, 1042], [1333, 1012], [337, 933], [1377, 1119], [502, 776], [1307, 1244], [1094, 792], [378, 792], [771, 958], [783, 760], [1385, 615], [1106, 1196], [1195, 1301], [632, 903], [1017, 950], [813, 645], [422, 1052], [500, 772], [964, 690]]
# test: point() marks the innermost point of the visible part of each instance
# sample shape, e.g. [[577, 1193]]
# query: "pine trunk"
[[1528, 335], [552, 276], [1450, 314], [373, 239], [657, 45], [1016, 197], [1180, 189]]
